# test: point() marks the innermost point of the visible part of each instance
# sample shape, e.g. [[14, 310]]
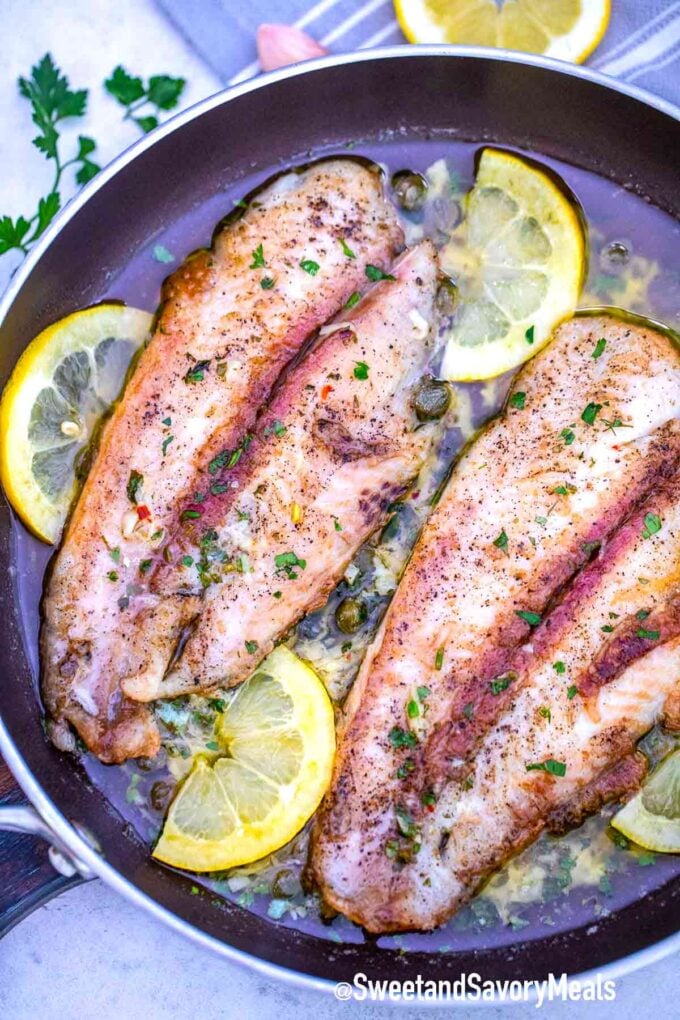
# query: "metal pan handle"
[[32, 870]]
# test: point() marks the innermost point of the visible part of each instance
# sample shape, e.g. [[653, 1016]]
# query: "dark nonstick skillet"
[[186, 174]]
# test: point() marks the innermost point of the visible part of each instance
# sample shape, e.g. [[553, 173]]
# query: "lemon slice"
[[278, 738], [521, 271], [564, 29], [652, 818], [63, 383]]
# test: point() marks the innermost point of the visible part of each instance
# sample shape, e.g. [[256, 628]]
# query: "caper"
[[286, 884], [447, 296], [350, 615], [410, 189], [160, 795], [432, 399]]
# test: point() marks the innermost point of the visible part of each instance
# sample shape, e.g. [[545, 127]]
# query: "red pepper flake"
[[325, 390], [414, 495], [143, 512]]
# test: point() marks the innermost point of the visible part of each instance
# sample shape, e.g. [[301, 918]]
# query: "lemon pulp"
[[277, 741], [520, 270], [62, 385], [564, 29], [652, 818]]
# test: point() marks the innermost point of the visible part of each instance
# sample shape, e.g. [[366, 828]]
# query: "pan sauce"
[[557, 883]]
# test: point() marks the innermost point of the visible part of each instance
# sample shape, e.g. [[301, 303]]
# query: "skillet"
[[187, 174]]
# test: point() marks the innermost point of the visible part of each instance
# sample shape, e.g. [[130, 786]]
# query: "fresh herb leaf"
[[559, 667], [134, 486], [545, 713], [599, 348], [196, 373], [360, 370], [288, 563], [590, 413], [346, 250], [251, 647], [555, 768], [412, 709], [258, 258], [266, 283], [400, 737], [529, 335], [533, 619], [161, 92], [145, 566], [502, 541], [648, 635], [568, 435], [374, 273], [518, 400], [190, 515], [406, 768], [499, 685], [653, 523], [310, 266], [353, 299], [572, 691]]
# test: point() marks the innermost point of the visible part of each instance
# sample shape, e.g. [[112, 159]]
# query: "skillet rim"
[[29, 783]]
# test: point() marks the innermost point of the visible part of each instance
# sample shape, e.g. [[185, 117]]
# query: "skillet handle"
[[32, 870]]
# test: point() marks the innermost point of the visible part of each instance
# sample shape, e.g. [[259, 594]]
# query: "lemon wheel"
[[277, 740], [652, 818], [565, 29], [62, 385], [520, 270]]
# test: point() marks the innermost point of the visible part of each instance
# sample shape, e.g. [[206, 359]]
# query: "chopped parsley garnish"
[[559, 667], [642, 614], [166, 444], [545, 713], [564, 490], [541, 520], [374, 273], [423, 693], [218, 488], [145, 566], [161, 254], [590, 547], [212, 745], [427, 798], [469, 711], [134, 486], [568, 435], [360, 370], [167, 421], [266, 283], [499, 685], [112, 575], [190, 515], [529, 335], [607, 629], [251, 647], [648, 635], [336, 524], [277, 427], [502, 541], [310, 266], [277, 594], [413, 709], [187, 561], [590, 413], [400, 737], [242, 515], [353, 299], [439, 658], [614, 424], [653, 524], [346, 250], [229, 458], [555, 768], [197, 373], [533, 619], [288, 563], [258, 258], [518, 400], [572, 691], [406, 769], [599, 348], [405, 823]]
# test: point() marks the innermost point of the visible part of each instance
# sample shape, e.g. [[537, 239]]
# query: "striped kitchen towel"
[[641, 46]]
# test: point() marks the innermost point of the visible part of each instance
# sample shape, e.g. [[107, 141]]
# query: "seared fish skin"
[[508, 795], [230, 321], [338, 444], [588, 430]]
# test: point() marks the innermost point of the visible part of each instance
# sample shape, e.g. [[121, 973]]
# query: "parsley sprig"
[[161, 92], [52, 101]]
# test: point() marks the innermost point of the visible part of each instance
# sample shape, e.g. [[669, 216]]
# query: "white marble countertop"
[[89, 953]]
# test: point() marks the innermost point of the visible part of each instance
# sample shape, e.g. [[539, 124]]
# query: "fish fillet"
[[580, 722], [231, 319], [338, 444], [588, 430]]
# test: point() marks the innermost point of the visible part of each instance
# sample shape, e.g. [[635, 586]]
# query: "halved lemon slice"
[[652, 818], [520, 271], [564, 29], [63, 383], [277, 736]]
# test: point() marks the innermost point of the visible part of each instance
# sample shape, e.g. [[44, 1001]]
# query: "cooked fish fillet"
[[580, 723], [589, 428], [338, 444], [231, 319]]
